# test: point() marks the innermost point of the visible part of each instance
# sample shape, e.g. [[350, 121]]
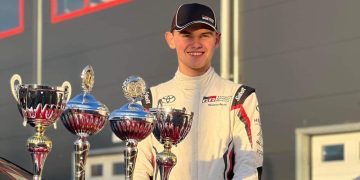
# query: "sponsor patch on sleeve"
[[241, 94]]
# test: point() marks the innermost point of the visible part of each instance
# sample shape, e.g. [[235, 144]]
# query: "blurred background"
[[300, 55]]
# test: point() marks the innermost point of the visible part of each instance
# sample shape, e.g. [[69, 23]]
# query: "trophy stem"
[[166, 160], [82, 147], [130, 153], [39, 146]]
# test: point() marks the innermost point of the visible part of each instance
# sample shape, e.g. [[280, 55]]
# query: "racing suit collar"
[[197, 82]]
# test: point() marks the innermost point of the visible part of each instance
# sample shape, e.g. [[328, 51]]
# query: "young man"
[[225, 140]]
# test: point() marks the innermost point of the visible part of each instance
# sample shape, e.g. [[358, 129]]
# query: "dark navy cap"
[[188, 14]]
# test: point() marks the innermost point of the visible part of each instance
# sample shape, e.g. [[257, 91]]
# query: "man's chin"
[[200, 68]]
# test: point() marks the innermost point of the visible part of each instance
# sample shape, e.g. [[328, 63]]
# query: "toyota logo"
[[168, 99]]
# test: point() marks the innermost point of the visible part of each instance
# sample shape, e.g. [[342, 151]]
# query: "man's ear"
[[218, 38], [169, 37]]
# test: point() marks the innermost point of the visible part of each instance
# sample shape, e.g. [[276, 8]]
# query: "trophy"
[[172, 126], [40, 106], [131, 123], [84, 116]]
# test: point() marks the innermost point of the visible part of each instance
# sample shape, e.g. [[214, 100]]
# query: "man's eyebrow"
[[207, 33]]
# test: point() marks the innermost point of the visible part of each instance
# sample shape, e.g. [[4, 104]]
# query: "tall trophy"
[[84, 116], [131, 123], [40, 106], [172, 126]]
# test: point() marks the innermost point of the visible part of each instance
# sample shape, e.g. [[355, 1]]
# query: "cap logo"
[[208, 18]]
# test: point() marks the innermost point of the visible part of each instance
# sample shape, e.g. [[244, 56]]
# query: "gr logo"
[[168, 99]]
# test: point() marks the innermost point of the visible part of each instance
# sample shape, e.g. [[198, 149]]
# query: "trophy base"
[[166, 160], [39, 147]]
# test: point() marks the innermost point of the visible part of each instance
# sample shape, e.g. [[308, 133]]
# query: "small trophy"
[[84, 116], [172, 126], [131, 123], [40, 106]]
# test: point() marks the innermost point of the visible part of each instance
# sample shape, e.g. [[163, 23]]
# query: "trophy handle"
[[13, 86], [67, 87]]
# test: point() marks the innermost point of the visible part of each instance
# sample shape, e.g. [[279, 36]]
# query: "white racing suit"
[[225, 140]]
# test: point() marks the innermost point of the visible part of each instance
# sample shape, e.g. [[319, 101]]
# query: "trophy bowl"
[[83, 123], [40, 106], [172, 126], [132, 126], [84, 116]]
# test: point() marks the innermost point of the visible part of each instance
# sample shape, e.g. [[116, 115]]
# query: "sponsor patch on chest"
[[216, 100]]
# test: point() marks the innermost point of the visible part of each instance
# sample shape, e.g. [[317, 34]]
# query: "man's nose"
[[196, 43]]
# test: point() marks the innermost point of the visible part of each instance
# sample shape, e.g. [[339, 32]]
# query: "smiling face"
[[195, 48]]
